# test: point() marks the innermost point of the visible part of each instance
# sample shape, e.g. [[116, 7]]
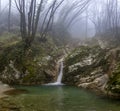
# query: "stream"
[[62, 98], [58, 97]]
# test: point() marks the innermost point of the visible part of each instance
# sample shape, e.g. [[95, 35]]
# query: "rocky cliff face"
[[36, 65], [95, 68]]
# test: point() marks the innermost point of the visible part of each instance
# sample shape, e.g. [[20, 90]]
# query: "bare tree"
[[0, 6], [68, 15], [29, 20], [107, 18], [72, 12], [28, 32], [9, 15], [49, 18], [96, 18], [86, 25]]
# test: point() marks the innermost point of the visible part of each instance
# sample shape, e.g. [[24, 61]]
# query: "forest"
[[59, 55]]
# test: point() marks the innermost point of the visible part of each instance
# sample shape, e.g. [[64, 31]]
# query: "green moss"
[[78, 55], [8, 39], [114, 82], [27, 61]]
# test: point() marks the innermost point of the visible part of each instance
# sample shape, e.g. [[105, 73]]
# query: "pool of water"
[[62, 98]]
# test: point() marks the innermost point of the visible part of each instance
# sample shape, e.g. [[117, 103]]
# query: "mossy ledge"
[[94, 68], [36, 65]]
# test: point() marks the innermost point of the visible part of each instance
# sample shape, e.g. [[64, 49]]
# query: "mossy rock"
[[76, 61], [7, 105], [31, 63], [114, 82]]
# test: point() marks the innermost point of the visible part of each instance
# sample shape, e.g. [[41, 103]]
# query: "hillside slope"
[[94, 68], [36, 65]]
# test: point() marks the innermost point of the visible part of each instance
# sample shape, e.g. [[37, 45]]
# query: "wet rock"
[[16, 92], [7, 105], [94, 68]]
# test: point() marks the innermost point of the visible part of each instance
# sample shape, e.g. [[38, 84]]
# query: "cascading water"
[[59, 79]]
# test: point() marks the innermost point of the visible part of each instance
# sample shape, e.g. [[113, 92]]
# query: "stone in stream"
[[7, 105]]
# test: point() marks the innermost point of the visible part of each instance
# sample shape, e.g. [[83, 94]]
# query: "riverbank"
[[62, 98], [94, 68], [4, 88]]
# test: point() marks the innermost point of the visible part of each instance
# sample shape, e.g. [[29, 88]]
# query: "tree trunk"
[[9, 15]]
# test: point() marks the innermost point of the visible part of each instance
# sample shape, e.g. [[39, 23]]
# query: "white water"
[[59, 79]]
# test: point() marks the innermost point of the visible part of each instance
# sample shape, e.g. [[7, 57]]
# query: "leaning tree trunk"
[[9, 15]]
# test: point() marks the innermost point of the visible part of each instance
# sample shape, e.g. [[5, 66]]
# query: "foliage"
[[32, 63], [75, 62], [114, 82]]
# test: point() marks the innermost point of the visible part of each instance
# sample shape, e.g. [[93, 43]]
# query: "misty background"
[[82, 26], [77, 29]]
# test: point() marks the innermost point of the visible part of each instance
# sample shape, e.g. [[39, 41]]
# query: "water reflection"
[[59, 100], [63, 98]]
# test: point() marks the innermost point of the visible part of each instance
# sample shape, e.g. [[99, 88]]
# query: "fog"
[[77, 29], [82, 25]]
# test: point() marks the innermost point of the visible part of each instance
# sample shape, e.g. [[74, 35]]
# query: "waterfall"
[[60, 75], [59, 79]]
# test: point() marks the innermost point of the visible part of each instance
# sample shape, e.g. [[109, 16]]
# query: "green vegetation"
[[77, 63], [29, 66], [114, 82]]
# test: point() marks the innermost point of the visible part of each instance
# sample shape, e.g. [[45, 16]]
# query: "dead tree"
[[72, 12], [106, 19], [49, 18], [9, 15], [29, 20], [0, 6]]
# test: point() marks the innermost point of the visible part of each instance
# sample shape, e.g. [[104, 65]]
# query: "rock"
[[7, 105], [94, 68], [84, 85], [99, 83], [37, 65], [3, 88], [102, 80]]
